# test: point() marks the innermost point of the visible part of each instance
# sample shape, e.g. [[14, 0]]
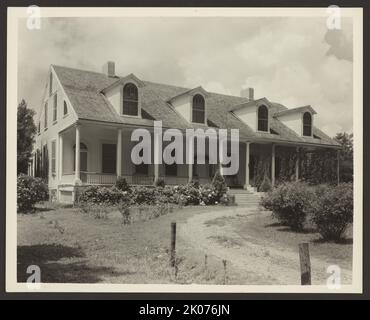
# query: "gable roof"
[[84, 90], [295, 110], [190, 92]]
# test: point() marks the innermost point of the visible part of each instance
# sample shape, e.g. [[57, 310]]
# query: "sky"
[[292, 61]]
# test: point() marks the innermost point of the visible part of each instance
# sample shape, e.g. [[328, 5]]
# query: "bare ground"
[[256, 244]]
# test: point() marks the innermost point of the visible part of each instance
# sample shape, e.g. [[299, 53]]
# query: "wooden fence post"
[[304, 257], [173, 244]]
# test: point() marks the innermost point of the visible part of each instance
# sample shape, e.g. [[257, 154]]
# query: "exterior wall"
[[248, 116], [293, 121], [47, 135], [114, 97], [183, 106]]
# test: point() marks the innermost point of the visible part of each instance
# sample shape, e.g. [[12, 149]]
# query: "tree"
[[345, 156], [26, 130]]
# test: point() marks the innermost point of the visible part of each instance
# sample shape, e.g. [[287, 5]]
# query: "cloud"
[[295, 61]]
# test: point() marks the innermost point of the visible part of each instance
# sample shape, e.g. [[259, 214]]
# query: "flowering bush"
[[106, 195], [30, 190], [190, 194], [143, 195], [219, 185], [332, 210], [290, 203], [208, 195], [122, 184]]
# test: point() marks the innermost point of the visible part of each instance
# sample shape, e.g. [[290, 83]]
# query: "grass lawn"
[[264, 229], [73, 247]]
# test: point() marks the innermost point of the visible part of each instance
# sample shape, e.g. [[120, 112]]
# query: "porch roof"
[[84, 91]]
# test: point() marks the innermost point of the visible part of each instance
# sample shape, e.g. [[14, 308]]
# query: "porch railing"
[[98, 178], [95, 178]]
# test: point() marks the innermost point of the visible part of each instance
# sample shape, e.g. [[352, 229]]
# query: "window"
[[263, 118], [130, 104], [55, 108], [51, 84], [307, 124], [198, 109], [53, 157], [46, 115], [109, 158], [65, 108]]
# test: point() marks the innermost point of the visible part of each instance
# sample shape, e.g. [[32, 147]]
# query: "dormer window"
[[263, 118], [130, 105], [307, 124], [198, 109]]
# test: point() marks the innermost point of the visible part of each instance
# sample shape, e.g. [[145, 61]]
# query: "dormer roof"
[[295, 110], [123, 80], [190, 92]]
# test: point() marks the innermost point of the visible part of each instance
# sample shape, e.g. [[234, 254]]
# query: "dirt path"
[[213, 233]]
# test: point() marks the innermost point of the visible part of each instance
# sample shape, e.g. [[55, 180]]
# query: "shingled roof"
[[84, 90]]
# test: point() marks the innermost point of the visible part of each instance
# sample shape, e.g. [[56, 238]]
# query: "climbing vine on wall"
[[319, 166], [315, 167]]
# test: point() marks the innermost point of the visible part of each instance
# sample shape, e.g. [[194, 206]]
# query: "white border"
[[11, 217]]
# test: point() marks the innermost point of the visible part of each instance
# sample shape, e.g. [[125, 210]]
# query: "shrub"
[[219, 185], [290, 203], [124, 209], [159, 183], [332, 211], [106, 195], [265, 185], [207, 193], [187, 195], [30, 191], [143, 195], [121, 184], [194, 183]]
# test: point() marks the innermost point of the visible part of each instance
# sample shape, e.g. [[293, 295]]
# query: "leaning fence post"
[[304, 257], [173, 244]]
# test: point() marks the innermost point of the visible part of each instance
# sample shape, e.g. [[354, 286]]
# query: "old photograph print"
[[185, 149]]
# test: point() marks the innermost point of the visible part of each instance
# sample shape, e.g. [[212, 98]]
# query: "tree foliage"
[[345, 156], [26, 130]]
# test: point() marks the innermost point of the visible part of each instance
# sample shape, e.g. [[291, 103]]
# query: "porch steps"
[[246, 198]]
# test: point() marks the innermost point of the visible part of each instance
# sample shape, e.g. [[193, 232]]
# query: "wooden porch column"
[[157, 158], [60, 156], [77, 156], [119, 152], [190, 159], [247, 158], [338, 166], [220, 155], [297, 166], [273, 165]]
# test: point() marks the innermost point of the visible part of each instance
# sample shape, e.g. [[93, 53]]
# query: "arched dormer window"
[[263, 119], [130, 105], [198, 109], [307, 124]]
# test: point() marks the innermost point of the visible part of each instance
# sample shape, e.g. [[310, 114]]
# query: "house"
[[85, 126]]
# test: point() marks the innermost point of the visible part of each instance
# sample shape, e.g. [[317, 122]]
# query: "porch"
[[92, 154]]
